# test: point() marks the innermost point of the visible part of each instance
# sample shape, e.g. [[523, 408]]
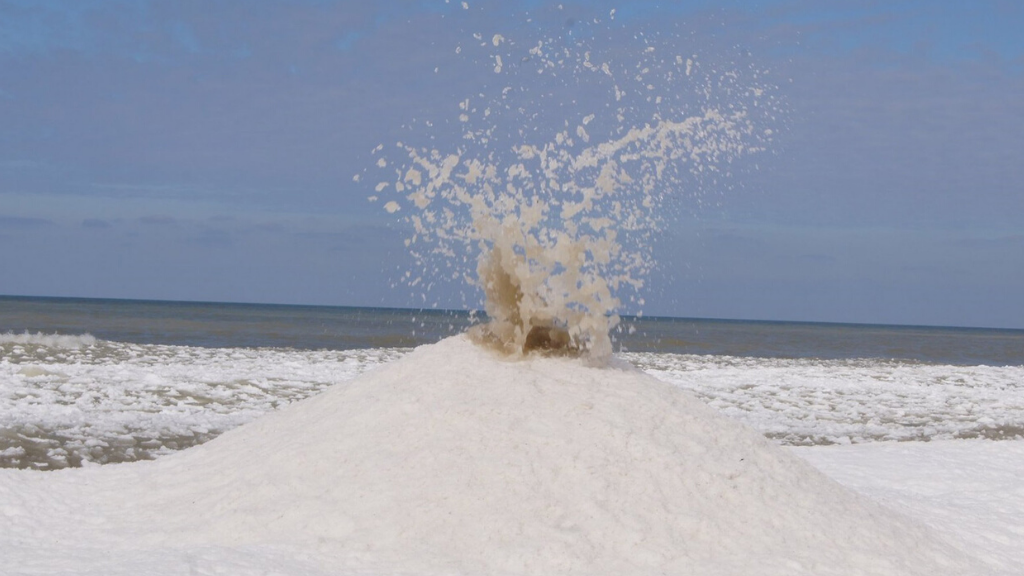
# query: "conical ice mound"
[[454, 460]]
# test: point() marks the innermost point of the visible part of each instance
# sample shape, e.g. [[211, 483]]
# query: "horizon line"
[[625, 317]]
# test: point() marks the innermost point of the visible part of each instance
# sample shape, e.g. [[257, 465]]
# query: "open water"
[[224, 325]]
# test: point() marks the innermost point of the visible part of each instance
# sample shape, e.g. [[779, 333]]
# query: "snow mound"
[[454, 460]]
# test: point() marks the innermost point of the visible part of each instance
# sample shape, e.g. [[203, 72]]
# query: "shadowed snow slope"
[[453, 460]]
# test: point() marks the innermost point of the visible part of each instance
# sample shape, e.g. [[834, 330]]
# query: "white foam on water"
[[48, 340], [426, 466]]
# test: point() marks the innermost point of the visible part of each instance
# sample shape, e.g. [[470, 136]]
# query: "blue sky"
[[205, 151]]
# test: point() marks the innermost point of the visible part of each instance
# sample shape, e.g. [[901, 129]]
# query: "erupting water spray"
[[550, 203]]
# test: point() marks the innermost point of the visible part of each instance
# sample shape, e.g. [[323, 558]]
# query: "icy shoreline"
[[78, 400], [546, 466]]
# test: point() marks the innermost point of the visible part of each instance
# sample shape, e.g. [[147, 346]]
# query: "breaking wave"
[[66, 341]]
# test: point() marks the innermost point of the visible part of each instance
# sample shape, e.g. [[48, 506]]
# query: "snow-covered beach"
[[502, 198], [544, 465]]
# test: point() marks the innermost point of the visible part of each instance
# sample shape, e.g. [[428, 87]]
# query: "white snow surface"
[[972, 491], [452, 460]]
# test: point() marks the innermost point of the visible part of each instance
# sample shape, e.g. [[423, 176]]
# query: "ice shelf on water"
[[72, 400], [811, 401], [455, 460]]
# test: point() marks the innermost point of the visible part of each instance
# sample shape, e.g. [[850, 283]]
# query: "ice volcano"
[[457, 460], [473, 456]]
